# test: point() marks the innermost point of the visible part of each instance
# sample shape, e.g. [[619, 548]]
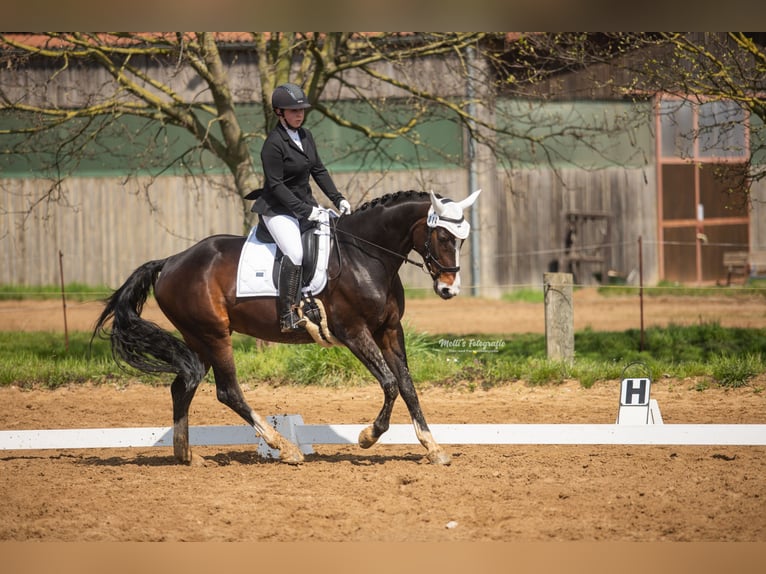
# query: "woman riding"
[[285, 204]]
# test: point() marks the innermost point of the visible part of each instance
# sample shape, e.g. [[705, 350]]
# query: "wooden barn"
[[578, 203]]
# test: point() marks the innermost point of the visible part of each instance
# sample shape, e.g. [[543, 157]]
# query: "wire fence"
[[78, 292]]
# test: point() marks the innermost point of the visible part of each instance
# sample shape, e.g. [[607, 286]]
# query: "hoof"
[[367, 438], [183, 457], [182, 454], [292, 460], [197, 461], [291, 455], [439, 457]]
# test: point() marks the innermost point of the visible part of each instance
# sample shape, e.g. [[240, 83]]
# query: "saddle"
[[310, 242], [261, 259]]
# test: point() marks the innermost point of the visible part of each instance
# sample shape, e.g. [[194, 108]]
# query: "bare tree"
[[719, 67], [181, 83], [181, 80], [695, 67]]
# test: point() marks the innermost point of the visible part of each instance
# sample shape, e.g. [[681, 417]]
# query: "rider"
[[285, 204]]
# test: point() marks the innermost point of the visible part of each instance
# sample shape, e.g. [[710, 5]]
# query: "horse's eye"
[[444, 237]]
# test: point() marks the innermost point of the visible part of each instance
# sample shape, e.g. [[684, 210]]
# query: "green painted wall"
[[104, 147], [584, 134], [758, 140], [590, 135]]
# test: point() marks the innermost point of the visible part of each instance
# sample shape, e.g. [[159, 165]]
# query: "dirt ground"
[[390, 493], [461, 315]]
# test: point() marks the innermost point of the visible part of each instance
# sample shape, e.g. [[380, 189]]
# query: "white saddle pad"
[[255, 273]]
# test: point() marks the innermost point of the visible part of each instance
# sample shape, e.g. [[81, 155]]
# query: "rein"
[[429, 261]]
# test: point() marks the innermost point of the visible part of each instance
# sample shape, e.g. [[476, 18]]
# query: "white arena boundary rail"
[[639, 422], [307, 435]]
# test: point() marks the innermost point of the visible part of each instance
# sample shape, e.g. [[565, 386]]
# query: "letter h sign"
[[634, 401]]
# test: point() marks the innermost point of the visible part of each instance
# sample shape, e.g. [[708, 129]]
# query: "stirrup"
[[291, 322]]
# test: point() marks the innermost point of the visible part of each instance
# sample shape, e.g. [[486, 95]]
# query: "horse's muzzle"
[[445, 289]]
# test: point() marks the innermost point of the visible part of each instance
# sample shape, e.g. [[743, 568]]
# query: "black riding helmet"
[[289, 97]]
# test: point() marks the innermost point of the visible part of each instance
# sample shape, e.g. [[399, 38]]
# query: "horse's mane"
[[390, 199]]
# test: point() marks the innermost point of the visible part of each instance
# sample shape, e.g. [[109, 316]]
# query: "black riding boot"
[[289, 296]]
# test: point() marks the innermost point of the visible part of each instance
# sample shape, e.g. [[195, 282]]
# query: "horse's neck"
[[392, 227]]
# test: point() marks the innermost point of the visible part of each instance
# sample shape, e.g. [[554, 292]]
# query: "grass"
[[752, 287], [82, 292], [525, 296], [729, 357], [74, 292], [41, 358]]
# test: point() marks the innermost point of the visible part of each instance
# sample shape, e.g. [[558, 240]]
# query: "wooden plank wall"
[[107, 227], [532, 229], [758, 216]]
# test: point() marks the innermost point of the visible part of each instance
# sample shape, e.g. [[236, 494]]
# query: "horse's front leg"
[[395, 355], [387, 362], [364, 347]]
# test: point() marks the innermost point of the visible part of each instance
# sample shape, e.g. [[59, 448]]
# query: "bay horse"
[[363, 300]]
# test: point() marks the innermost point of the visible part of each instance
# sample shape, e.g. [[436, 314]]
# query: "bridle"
[[431, 261]]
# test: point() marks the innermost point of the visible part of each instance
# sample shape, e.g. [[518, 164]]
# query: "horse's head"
[[446, 229]]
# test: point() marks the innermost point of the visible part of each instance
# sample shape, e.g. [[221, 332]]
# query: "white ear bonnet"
[[449, 214]]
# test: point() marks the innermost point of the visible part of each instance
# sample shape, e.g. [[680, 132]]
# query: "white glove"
[[316, 214], [344, 207]]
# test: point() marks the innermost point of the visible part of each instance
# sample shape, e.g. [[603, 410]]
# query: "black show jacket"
[[287, 168]]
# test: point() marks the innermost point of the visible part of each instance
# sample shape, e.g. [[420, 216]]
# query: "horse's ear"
[[437, 205], [469, 201]]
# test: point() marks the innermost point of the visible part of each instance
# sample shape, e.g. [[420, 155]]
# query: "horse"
[[363, 302]]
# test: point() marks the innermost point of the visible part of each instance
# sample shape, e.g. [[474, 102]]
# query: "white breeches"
[[286, 232]]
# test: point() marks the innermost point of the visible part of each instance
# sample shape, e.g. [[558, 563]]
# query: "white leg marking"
[[436, 454]]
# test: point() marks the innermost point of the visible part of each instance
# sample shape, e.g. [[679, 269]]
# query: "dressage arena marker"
[[639, 422], [636, 408]]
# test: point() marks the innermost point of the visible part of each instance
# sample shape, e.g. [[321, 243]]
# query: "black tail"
[[141, 343]]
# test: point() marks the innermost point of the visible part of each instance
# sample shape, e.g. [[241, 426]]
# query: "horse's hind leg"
[[182, 390], [229, 393]]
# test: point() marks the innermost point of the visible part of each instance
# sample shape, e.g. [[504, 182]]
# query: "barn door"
[[701, 150]]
